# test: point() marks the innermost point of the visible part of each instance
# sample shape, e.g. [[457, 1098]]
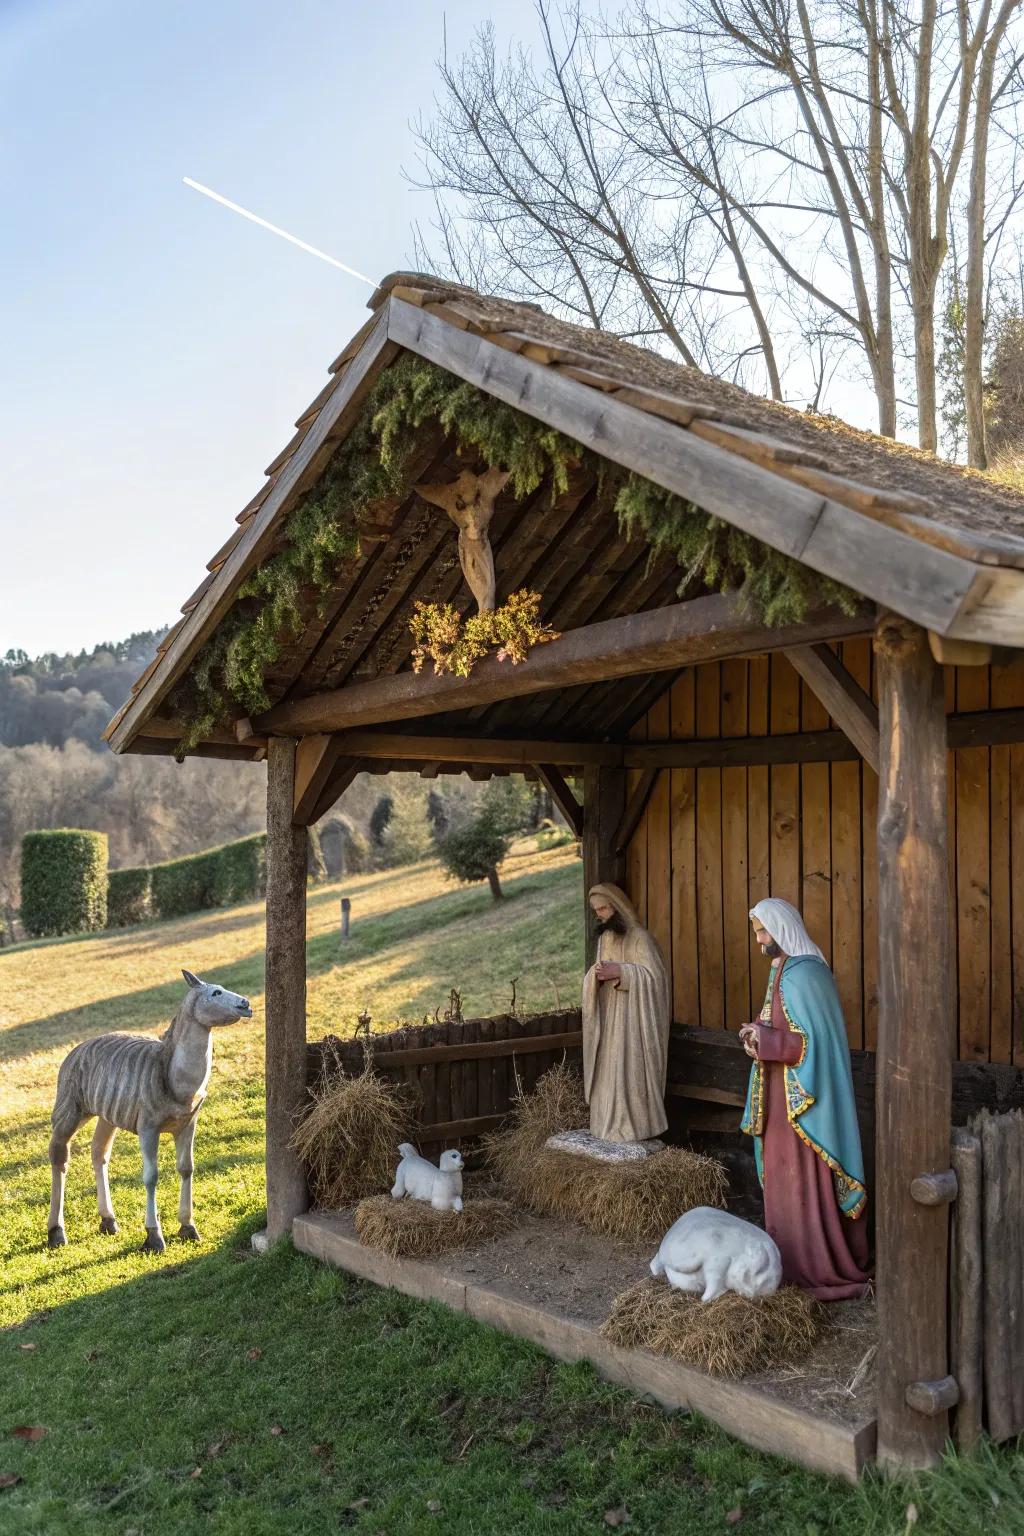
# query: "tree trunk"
[[495, 883], [915, 1041], [285, 1006], [924, 364], [974, 297]]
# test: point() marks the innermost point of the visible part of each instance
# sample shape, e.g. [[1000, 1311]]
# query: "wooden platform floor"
[[553, 1284]]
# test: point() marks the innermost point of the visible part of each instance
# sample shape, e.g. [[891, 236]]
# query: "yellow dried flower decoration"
[[456, 645]]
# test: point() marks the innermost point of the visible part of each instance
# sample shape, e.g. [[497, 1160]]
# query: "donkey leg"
[[183, 1143], [102, 1141], [149, 1141], [64, 1128]]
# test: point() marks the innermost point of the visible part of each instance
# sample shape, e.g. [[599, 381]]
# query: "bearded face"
[[771, 949], [613, 924]]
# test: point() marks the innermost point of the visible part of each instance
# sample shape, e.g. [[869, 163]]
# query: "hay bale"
[[638, 1201], [349, 1134], [410, 1229], [727, 1337]]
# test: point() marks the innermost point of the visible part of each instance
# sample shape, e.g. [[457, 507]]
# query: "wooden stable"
[[868, 767]]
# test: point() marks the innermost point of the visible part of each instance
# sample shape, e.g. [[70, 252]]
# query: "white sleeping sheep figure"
[[711, 1252], [441, 1187]]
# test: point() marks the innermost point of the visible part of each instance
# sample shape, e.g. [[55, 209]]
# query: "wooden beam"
[[335, 418], [959, 653], [635, 807], [479, 1050], [315, 759], [562, 795], [475, 749], [342, 774], [285, 1006], [916, 1020], [660, 639], [853, 710], [455, 1130], [604, 800]]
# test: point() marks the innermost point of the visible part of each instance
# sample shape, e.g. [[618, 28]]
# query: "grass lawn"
[[213, 1390]]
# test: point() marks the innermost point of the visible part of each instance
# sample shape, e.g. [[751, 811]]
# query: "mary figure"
[[801, 1113]]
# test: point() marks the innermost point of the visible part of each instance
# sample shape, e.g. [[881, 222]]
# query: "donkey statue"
[[135, 1083]]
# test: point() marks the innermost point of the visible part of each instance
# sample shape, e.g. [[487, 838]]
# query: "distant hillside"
[[54, 699]]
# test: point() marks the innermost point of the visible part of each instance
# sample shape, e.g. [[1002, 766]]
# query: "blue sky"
[[157, 348]]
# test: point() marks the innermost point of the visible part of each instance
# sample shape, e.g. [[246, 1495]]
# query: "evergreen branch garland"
[[373, 465]]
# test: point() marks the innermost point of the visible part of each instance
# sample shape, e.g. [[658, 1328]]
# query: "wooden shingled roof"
[[938, 543]]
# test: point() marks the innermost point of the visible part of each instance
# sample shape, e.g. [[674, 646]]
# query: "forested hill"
[[54, 699]]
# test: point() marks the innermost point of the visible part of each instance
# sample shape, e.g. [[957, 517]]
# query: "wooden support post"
[[287, 1195], [915, 1045], [604, 802]]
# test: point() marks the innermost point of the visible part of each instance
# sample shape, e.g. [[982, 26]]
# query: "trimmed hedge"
[[129, 897], [220, 877], [63, 881]]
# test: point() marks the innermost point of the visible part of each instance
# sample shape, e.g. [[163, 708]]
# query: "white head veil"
[[786, 926]]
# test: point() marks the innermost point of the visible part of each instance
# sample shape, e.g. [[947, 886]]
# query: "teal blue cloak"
[[819, 1089]]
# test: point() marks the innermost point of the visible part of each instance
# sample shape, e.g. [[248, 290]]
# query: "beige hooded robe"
[[625, 1031]]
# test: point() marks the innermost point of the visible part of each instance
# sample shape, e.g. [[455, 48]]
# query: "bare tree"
[[752, 180]]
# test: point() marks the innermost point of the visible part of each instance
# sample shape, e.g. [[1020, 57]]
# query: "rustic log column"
[[916, 1018], [604, 801], [285, 1051]]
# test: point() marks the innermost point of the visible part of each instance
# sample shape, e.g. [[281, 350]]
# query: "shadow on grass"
[[152, 1006]]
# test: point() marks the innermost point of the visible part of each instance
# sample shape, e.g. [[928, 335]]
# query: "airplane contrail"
[[254, 218]]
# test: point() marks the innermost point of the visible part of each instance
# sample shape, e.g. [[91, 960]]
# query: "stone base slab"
[[585, 1144]]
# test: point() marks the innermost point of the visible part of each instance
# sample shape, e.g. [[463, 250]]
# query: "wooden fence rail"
[[988, 1277], [465, 1076]]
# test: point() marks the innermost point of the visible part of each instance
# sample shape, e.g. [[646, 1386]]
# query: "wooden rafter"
[[473, 749], [562, 795], [661, 639], [635, 807], [345, 770], [315, 757], [853, 710]]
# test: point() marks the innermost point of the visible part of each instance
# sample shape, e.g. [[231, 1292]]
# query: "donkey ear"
[[193, 981]]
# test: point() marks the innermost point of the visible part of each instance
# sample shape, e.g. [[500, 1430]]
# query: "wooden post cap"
[[932, 1397], [934, 1188]]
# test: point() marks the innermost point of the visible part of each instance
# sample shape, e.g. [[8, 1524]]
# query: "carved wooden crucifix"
[[469, 502]]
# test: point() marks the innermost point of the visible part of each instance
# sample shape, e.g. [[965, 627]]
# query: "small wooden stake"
[[346, 915]]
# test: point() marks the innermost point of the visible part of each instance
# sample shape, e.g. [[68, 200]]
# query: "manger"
[[780, 657]]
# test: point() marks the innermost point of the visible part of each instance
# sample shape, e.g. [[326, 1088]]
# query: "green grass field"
[[214, 1390]]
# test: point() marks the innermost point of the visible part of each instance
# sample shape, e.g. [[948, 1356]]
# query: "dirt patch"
[[561, 1267]]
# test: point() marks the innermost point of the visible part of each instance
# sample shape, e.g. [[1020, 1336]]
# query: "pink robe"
[[823, 1251]]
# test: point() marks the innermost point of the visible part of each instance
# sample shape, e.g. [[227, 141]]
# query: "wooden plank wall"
[[714, 841]]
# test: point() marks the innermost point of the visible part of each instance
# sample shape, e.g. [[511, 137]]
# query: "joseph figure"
[[626, 1019], [802, 1114]]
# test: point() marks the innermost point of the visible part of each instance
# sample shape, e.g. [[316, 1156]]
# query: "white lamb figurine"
[[711, 1252], [442, 1186]]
